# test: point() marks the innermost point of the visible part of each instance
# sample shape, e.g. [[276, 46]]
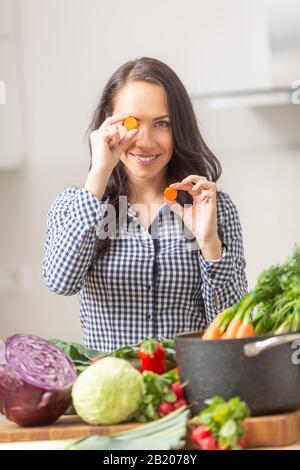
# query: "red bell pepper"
[[152, 356]]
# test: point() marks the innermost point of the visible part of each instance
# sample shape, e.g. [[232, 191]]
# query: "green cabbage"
[[108, 392]]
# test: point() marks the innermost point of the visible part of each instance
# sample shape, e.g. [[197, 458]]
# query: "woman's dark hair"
[[191, 154]]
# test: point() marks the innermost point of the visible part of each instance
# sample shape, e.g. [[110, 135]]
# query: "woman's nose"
[[144, 137]]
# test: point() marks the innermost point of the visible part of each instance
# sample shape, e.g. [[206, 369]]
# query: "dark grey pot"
[[269, 382]]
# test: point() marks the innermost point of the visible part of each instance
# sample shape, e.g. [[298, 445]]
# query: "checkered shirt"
[[149, 283]]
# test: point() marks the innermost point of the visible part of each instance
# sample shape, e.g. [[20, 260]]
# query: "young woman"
[[168, 266]]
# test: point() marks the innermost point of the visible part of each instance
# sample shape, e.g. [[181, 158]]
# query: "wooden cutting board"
[[268, 431], [263, 431], [66, 427]]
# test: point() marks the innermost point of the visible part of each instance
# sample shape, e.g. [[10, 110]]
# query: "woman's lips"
[[146, 161]]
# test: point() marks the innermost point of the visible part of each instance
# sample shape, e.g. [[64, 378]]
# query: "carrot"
[[232, 328], [246, 330], [130, 123], [240, 319], [214, 329], [170, 193]]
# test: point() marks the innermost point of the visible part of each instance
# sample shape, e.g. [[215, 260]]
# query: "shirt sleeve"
[[224, 280], [72, 226]]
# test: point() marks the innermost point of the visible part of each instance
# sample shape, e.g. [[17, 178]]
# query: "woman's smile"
[[144, 159]]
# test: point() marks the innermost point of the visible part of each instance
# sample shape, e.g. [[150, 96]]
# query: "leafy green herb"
[[82, 356], [79, 354], [157, 389], [273, 307], [224, 420]]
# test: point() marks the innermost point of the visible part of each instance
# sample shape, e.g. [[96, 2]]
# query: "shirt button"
[[148, 316], [149, 286], [213, 275], [217, 302]]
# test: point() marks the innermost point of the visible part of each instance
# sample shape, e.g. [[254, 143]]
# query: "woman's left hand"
[[201, 218]]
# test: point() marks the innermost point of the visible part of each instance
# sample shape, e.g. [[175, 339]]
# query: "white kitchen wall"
[[259, 149], [69, 49], [12, 112]]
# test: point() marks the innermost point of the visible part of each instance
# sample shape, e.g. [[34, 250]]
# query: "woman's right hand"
[[109, 141]]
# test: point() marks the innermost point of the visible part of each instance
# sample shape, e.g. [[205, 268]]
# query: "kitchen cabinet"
[[257, 98]]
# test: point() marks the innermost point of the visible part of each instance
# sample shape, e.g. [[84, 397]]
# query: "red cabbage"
[[36, 379]]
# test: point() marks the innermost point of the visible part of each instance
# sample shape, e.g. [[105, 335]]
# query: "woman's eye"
[[164, 123]]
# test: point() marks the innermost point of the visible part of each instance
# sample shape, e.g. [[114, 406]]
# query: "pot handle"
[[256, 347]]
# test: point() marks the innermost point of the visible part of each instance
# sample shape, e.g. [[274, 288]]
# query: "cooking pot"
[[263, 371]]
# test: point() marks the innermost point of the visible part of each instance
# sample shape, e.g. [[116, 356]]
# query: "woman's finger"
[[193, 190], [111, 136], [183, 186], [203, 184], [177, 208], [207, 195], [115, 141], [193, 179], [114, 119], [190, 181], [123, 130], [107, 134], [126, 139]]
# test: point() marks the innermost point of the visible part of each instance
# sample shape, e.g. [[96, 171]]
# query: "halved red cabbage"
[[36, 379]]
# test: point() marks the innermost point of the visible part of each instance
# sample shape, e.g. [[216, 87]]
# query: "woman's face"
[[147, 103]]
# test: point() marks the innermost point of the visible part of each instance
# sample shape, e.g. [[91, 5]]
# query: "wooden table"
[[265, 432]]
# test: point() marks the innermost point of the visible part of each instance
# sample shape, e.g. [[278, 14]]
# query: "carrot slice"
[[170, 193], [246, 330], [130, 123], [214, 330]]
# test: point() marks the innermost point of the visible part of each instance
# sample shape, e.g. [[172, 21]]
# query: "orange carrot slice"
[[130, 123], [170, 193]]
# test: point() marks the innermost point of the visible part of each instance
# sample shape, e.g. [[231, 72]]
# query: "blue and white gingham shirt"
[[145, 285]]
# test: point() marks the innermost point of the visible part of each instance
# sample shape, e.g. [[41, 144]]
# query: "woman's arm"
[[224, 280], [71, 235]]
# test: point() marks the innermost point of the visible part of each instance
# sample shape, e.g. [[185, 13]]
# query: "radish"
[[165, 408], [242, 442], [179, 403], [209, 443], [177, 389], [199, 433]]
